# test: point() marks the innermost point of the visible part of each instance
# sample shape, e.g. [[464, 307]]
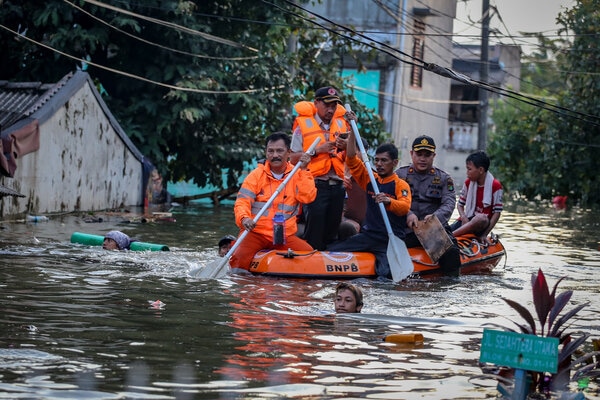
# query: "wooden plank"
[[433, 237]]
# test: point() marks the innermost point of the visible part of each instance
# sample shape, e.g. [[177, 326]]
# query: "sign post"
[[522, 352]]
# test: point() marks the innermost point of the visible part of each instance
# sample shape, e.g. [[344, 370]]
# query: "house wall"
[[406, 111], [82, 164], [424, 110]]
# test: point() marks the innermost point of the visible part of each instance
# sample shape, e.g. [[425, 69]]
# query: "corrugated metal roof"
[[5, 191], [19, 100]]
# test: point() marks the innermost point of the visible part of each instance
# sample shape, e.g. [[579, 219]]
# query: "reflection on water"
[[80, 322]]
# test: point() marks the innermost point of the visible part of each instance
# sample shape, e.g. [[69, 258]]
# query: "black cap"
[[226, 240], [327, 95], [424, 142]]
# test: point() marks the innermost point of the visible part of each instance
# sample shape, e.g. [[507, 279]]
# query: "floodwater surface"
[[83, 323]]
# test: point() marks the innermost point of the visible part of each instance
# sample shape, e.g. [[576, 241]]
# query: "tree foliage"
[[539, 153], [579, 138], [521, 157], [227, 72]]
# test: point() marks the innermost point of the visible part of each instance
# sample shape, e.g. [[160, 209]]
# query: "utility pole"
[[484, 76], [291, 47], [399, 83]]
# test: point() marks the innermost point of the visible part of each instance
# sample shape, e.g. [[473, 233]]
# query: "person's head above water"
[[348, 298], [225, 244], [116, 240]]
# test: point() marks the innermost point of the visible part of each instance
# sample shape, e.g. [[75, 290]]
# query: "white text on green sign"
[[518, 350]]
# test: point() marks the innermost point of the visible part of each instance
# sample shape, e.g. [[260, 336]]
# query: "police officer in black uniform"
[[432, 193]]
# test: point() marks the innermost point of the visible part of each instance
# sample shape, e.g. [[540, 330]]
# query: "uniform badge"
[[404, 193], [436, 180], [450, 184]]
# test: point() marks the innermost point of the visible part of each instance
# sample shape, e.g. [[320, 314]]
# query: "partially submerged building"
[[64, 151]]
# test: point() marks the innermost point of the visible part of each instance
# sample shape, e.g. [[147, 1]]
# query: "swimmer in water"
[[348, 298]]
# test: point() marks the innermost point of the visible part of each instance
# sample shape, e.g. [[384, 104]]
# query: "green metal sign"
[[518, 350]]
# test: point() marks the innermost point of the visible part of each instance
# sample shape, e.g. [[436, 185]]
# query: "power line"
[[442, 71], [156, 44], [369, 92], [399, 20], [127, 74], [466, 47], [206, 36], [446, 72]]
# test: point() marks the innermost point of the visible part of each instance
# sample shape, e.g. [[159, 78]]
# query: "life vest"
[[306, 121], [257, 189]]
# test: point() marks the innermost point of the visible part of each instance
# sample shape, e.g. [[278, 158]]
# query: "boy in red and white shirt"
[[480, 202]]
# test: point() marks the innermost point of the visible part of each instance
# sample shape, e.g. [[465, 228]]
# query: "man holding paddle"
[[275, 227], [324, 118], [391, 192], [432, 196]]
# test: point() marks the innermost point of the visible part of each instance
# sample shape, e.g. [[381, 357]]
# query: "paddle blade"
[[213, 270], [399, 259]]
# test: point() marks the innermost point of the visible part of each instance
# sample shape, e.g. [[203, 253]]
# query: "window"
[[416, 72]]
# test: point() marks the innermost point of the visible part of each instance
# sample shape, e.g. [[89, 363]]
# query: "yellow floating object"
[[404, 338]]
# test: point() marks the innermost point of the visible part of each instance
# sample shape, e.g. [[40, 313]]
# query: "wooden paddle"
[[433, 237], [399, 259], [217, 269]]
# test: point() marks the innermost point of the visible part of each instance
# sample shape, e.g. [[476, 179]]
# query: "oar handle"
[[361, 146], [285, 182], [401, 265], [259, 214]]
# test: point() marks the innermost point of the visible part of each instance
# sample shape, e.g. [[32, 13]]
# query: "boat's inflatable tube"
[[97, 240], [314, 264], [474, 258]]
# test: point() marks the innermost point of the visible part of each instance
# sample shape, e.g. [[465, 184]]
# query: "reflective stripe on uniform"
[[245, 193]]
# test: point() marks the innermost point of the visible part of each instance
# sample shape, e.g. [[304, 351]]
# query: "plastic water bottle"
[[37, 218], [278, 229]]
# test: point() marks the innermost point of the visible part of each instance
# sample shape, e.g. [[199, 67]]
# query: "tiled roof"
[[19, 100]]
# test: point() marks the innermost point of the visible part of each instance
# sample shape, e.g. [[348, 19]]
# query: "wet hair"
[[123, 241], [358, 295], [479, 159], [388, 148], [273, 137], [225, 240]]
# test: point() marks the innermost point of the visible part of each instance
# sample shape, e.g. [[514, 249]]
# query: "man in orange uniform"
[[322, 118], [257, 189], [395, 195]]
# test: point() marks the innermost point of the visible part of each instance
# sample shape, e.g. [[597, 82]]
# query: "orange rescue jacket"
[[321, 163], [260, 185]]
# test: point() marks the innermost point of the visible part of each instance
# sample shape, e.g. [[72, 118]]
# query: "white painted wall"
[[424, 111], [82, 164]]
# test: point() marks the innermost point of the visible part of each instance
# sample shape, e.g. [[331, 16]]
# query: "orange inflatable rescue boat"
[[475, 258]]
